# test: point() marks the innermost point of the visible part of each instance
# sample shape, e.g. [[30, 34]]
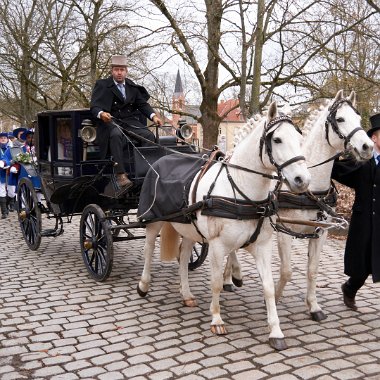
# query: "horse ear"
[[352, 98], [272, 111], [338, 96]]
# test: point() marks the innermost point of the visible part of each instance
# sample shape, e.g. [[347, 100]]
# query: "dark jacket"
[[362, 254], [107, 97]]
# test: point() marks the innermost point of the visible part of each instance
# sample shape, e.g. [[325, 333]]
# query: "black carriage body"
[[72, 182], [75, 180]]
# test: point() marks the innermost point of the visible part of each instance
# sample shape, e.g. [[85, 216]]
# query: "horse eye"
[[340, 119], [277, 140]]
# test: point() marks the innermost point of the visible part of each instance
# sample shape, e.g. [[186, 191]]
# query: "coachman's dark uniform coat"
[[362, 255], [107, 97]]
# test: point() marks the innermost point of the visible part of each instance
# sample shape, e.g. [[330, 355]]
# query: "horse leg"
[[216, 255], [315, 247], [284, 243], [262, 253], [152, 231], [232, 273], [185, 253]]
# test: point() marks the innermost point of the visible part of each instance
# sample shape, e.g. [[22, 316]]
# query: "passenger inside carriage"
[[64, 145], [64, 139]]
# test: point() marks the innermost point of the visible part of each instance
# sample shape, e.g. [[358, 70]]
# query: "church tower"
[[178, 100]]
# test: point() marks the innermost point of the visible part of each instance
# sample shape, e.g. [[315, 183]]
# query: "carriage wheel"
[[198, 255], [96, 242], [29, 214]]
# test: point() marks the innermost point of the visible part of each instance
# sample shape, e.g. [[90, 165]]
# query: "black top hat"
[[375, 124]]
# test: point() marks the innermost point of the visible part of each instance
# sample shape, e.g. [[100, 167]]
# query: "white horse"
[[275, 144], [336, 128]]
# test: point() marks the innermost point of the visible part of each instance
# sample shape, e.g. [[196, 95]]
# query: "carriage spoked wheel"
[[198, 255], [29, 213], [96, 242]]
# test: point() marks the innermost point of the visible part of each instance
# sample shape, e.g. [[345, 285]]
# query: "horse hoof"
[[218, 329], [140, 292], [190, 302], [228, 288], [237, 282], [278, 344], [318, 316]]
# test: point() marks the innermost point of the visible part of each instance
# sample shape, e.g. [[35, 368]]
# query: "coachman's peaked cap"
[[375, 124], [118, 60]]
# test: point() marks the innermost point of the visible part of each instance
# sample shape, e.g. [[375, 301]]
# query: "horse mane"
[[314, 115], [247, 128], [254, 121]]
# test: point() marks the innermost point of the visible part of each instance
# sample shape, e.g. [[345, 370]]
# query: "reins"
[[226, 163]]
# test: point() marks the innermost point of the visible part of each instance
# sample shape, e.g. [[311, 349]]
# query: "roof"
[[225, 106]]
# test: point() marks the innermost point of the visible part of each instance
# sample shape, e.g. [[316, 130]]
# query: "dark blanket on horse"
[[167, 193]]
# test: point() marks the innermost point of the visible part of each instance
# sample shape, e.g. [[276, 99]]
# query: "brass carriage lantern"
[[87, 134]]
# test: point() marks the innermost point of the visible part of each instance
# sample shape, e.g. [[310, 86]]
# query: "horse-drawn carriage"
[[75, 181]]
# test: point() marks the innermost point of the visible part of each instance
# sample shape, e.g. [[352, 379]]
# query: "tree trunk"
[[254, 106]]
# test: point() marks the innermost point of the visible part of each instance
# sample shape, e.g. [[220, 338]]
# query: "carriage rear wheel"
[[198, 255], [29, 213], [96, 242]]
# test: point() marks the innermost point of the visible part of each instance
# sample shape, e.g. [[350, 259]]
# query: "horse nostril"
[[365, 147], [298, 180]]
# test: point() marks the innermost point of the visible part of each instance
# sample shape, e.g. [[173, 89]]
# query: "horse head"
[[343, 127], [282, 141]]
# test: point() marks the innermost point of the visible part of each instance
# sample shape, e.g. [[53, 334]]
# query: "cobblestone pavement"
[[58, 323]]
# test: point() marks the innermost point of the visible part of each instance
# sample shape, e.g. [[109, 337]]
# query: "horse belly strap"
[[238, 209], [303, 201]]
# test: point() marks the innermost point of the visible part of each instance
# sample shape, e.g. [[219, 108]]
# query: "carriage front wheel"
[[29, 213], [96, 242]]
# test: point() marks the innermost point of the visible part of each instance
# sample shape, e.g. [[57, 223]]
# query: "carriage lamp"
[[88, 132], [184, 131]]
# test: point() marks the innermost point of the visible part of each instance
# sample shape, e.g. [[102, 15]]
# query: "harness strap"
[[291, 161], [214, 154], [255, 235]]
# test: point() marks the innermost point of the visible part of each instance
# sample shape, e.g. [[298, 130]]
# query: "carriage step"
[[52, 232]]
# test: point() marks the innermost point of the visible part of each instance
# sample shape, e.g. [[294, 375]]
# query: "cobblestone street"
[[58, 323]]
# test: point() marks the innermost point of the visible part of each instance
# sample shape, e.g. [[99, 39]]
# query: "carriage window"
[[42, 138], [64, 139]]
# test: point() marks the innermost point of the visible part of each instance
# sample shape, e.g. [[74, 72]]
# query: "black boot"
[[11, 203], [4, 209], [349, 297]]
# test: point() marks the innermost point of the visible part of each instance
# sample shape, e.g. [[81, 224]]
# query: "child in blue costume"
[[8, 179]]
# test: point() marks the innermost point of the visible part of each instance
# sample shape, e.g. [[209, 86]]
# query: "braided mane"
[[314, 115]]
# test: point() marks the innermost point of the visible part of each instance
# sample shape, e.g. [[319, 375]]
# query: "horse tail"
[[169, 244]]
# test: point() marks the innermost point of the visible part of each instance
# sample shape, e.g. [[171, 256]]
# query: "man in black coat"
[[362, 254], [122, 99]]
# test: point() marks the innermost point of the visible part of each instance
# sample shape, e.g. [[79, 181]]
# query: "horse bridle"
[[266, 140], [331, 120]]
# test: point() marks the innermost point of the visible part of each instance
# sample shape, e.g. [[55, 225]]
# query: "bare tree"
[[53, 51]]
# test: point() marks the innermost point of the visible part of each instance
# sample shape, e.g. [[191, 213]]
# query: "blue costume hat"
[[10, 135], [4, 134], [27, 133], [18, 130], [375, 124]]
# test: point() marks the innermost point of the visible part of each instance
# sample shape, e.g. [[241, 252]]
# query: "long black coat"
[[362, 254], [107, 97]]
